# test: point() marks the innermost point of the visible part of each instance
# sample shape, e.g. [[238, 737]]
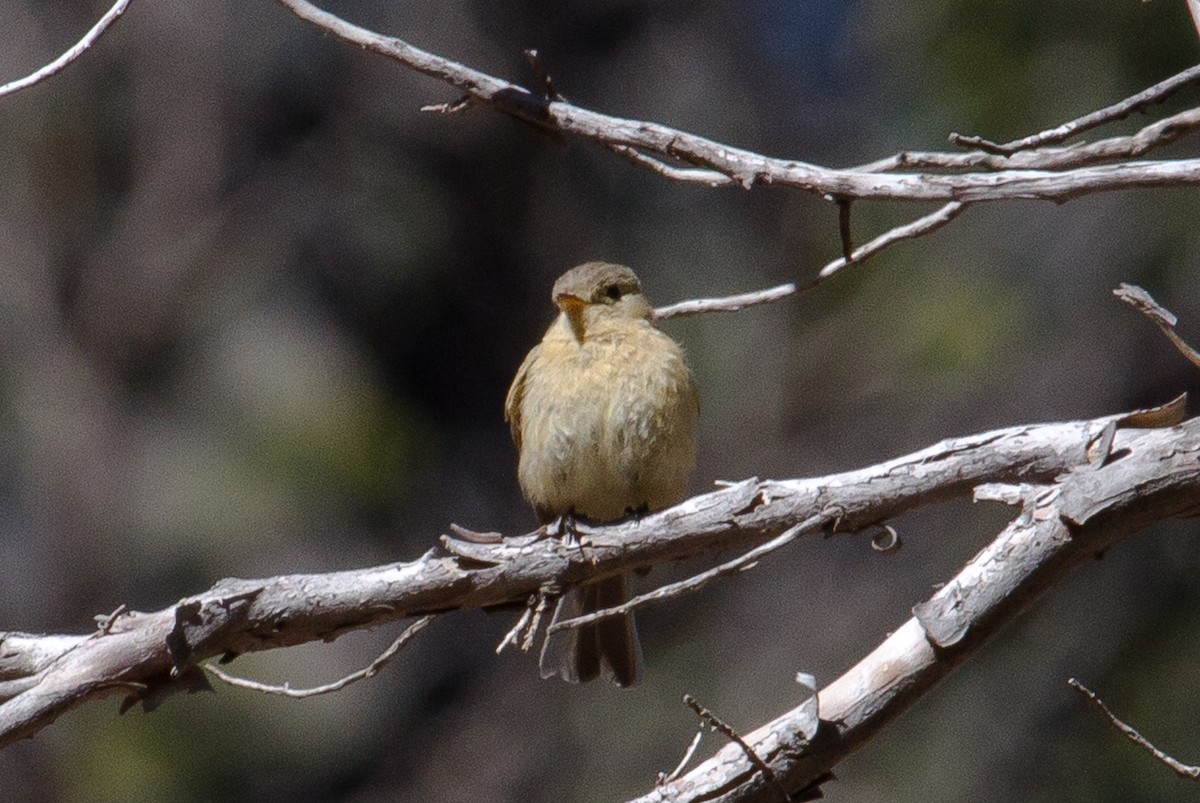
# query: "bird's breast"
[[608, 425]]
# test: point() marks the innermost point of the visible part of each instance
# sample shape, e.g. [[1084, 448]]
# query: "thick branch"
[[49, 675], [1149, 476]]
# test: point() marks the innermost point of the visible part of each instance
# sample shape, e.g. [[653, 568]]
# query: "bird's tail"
[[608, 648]]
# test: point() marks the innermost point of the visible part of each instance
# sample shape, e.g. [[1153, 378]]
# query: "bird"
[[603, 412]]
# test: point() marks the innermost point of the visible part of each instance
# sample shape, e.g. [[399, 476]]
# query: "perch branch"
[[45, 676]]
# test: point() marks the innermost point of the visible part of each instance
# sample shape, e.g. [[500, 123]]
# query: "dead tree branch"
[[141, 654], [1037, 167], [726, 304], [1028, 174], [74, 52], [1186, 771], [1162, 317], [1118, 111], [1061, 525], [286, 689], [919, 227]]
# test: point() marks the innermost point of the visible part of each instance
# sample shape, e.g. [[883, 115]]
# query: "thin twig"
[[526, 627], [56, 66], [729, 733], [695, 582], [1178, 767], [105, 622], [370, 671], [1153, 135], [920, 226], [461, 104], [543, 602], [726, 303], [1112, 149], [692, 175], [515, 632], [1117, 111], [1163, 318], [908, 231], [687, 756], [539, 70], [843, 205]]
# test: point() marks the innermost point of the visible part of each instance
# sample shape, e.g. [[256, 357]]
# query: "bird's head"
[[594, 293]]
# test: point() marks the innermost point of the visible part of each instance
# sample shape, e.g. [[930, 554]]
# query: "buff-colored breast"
[[606, 425]]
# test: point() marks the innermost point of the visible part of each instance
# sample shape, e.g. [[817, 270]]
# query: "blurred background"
[[258, 315]]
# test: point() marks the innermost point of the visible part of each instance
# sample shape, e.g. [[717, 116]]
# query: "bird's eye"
[[613, 292]]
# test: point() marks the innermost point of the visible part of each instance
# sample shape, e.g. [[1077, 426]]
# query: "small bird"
[[603, 412]]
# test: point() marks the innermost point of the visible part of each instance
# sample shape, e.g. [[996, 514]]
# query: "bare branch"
[[920, 226], [1118, 111], [527, 625], [367, 672], [1163, 318], [693, 175], [1033, 178], [1154, 135], [517, 632], [687, 756], [60, 63], [695, 582], [729, 733], [454, 107], [150, 653], [725, 304], [844, 229], [26, 654], [1187, 771], [917, 228], [1064, 525]]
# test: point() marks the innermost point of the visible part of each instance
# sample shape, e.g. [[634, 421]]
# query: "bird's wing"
[[516, 395]]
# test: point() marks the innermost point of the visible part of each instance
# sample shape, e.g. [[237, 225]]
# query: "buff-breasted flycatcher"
[[603, 412]]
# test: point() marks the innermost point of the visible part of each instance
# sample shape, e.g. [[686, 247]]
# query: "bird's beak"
[[572, 305]]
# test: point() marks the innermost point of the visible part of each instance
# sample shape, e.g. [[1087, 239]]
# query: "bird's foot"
[[568, 528]]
